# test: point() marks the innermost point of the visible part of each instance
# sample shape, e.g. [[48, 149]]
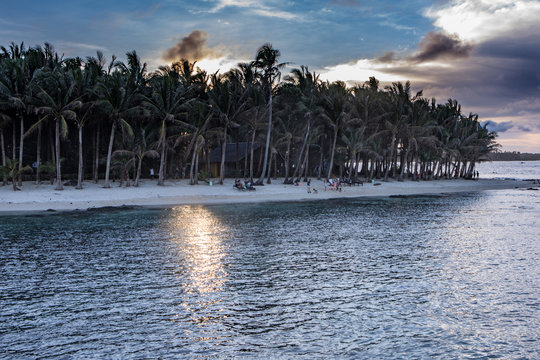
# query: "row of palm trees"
[[119, 114]]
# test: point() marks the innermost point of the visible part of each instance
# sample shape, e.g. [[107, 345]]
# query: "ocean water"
[[509, 169], [453, 277]]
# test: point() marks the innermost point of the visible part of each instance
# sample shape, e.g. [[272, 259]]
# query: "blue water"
[[415, 278], [509, 169]]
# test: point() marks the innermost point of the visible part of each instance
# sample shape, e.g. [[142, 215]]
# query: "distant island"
[[512, 156]]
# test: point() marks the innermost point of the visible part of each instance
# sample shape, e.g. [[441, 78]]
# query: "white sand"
[[37, 198]]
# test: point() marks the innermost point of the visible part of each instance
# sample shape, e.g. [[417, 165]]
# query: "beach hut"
[[236, 159]]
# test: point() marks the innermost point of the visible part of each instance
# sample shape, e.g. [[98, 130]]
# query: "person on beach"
[[152, 173]]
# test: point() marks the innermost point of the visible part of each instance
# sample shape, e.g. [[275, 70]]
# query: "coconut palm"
[[266, 61], [138, 150], [338, 112], [14, 91], [57, 101], [167, 103], [115, 99], [13, 170], [228, 99], [4, 120]]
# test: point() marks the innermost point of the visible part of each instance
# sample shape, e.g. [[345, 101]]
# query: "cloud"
[[148, 12], [256, 7], [498, 127], [387, 57], [358, 72], [191, 47], [238, 3], [480, 20], [275, 13], [437, 45], [524, 128], [75, 47]]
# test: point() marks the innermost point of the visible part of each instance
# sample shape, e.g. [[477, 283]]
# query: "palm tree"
[[266, 61], [167, 102], [399, 113], [227, 98], [115, 99], [138, 150], [57, 101], [338, 112], [13, 170], [14, 83], [94, 70], [4, 119]]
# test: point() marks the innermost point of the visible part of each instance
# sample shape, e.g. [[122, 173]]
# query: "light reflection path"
[[197, 238]]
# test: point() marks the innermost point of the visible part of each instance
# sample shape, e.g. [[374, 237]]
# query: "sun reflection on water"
[[197, 234], [198, 238]]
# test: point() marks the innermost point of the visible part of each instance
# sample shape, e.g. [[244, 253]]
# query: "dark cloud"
[[437, 45], [387, 57], [524, 128], [499, 127], [491, 86], [191, 47], [526, 47]]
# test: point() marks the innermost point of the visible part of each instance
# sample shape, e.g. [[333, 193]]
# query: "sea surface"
[[509, 169], [453, 277]]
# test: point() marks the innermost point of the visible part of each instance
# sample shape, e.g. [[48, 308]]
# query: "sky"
[[484, 53]]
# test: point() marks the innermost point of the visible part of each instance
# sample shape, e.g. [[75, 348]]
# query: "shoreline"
[[43, 198]]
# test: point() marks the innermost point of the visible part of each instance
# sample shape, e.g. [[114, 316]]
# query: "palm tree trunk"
[[245, 160], [162, 160], [57, 139], [38, 154], [352, 164], [268, 181], [332, 154], [138, 175], [80, 168], [298, 162], [2, 144], [14, 181], [51, 149], [251, 156], [261, 179], [14, 140], [387, 170], [197, 167], [223, 153], [404, 160], [193, 158], [306, 165], [109, 155], [303, 166], [287, 159], [319, 175], [21, 143], [394, 160], [275, 167], [237, 161], [96, 164]]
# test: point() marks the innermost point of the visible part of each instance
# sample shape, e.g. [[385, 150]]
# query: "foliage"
[[179, 113]]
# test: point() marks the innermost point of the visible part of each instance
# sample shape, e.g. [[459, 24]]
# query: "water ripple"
[[453, 277]]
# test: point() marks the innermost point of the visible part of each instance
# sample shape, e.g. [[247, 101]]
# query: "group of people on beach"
[[243, 185]]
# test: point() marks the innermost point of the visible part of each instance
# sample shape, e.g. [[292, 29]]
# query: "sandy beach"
[[38, 198]]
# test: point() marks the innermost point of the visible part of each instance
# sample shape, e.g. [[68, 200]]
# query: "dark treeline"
[[95, 119]]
